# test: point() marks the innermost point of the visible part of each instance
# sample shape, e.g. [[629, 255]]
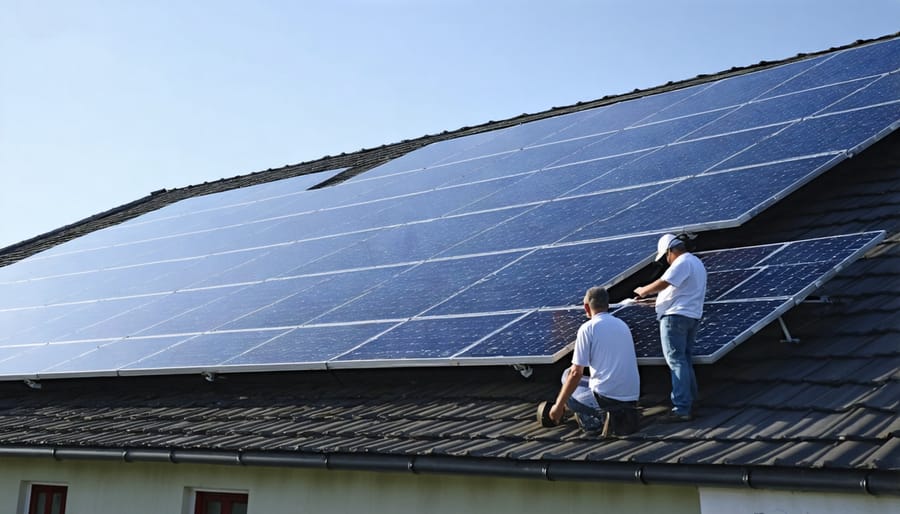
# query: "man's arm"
[[568, 387], [653, 287]]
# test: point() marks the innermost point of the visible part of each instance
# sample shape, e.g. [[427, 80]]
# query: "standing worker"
[[679, 307], [604, 344]]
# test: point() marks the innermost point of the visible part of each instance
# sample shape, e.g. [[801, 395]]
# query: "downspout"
[[756, 477]]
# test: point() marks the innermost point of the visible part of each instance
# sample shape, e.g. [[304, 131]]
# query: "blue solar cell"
[[462, 172], [106, 357], [64, 321], [232, 303], [551, 221], [642, 137], [542, 333], [427, 156], [736, 258], [721, 325], [776, 281], [624, 114], [282, 260], [552, 277], [34, 325], [734, 91], [428, 338], [306, 345], [862, 61], [160, 277], [37, 358], [523, 135], [530, 159], [712, 200], [258, 192], [885, 89], [830, 249], [780, 109], [332, 292], [312, 225], [204, 351], [148, 314], [550, 183], [29, 293], [410, 243], [414, 291], [676, 160], [831, 133], [720, 282], [39, 266], [432, 204], [9, 352]]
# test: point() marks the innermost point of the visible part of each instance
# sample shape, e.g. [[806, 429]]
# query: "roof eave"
[[856, 481]]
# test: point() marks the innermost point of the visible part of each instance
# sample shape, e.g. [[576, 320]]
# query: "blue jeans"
[[590, 408], [678, 334]]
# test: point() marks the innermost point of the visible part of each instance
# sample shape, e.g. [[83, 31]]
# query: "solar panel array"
[[469, 251], [748, 288]]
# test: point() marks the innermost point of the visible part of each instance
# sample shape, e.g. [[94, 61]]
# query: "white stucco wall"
[[744, 501], [138, 488]]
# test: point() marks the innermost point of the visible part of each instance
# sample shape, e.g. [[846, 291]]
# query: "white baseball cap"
[[665, 242]]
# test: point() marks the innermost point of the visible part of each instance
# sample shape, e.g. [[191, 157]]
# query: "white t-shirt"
[[604, 345], [684, 295]]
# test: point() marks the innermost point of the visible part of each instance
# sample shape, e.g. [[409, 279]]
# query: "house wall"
[[788, 502], [137, 488]]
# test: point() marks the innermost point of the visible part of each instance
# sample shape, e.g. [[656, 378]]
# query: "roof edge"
[[869, 482]]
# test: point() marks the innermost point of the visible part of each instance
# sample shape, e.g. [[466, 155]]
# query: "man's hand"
[[641, 291], [556, 412]]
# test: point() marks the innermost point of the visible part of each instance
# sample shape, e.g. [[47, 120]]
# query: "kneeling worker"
[[604, 344]]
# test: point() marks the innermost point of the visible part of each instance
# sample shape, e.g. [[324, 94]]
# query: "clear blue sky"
[[102, 102]]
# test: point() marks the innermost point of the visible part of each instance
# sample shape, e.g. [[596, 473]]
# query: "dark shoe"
[[674, 417]]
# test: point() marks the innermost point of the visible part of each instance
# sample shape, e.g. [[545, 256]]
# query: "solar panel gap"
[[834, 153], [141, 365], [604, 174], [735, 287], [497, 331], [700, 89], [442, 165], [473, 284], [360, 345], [186, 337], [803, 73]]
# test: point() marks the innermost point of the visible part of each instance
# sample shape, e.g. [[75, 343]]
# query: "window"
[[47, 499], [220, 503]]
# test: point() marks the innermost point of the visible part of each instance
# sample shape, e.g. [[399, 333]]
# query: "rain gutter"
[[870, 482]]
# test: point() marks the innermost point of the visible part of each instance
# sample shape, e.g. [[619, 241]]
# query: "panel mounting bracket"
[[788, 338], [209, 376], [524, 369], [33, 384]]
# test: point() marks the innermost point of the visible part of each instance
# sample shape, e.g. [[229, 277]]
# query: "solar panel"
[[501, 230], [748, 288]]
